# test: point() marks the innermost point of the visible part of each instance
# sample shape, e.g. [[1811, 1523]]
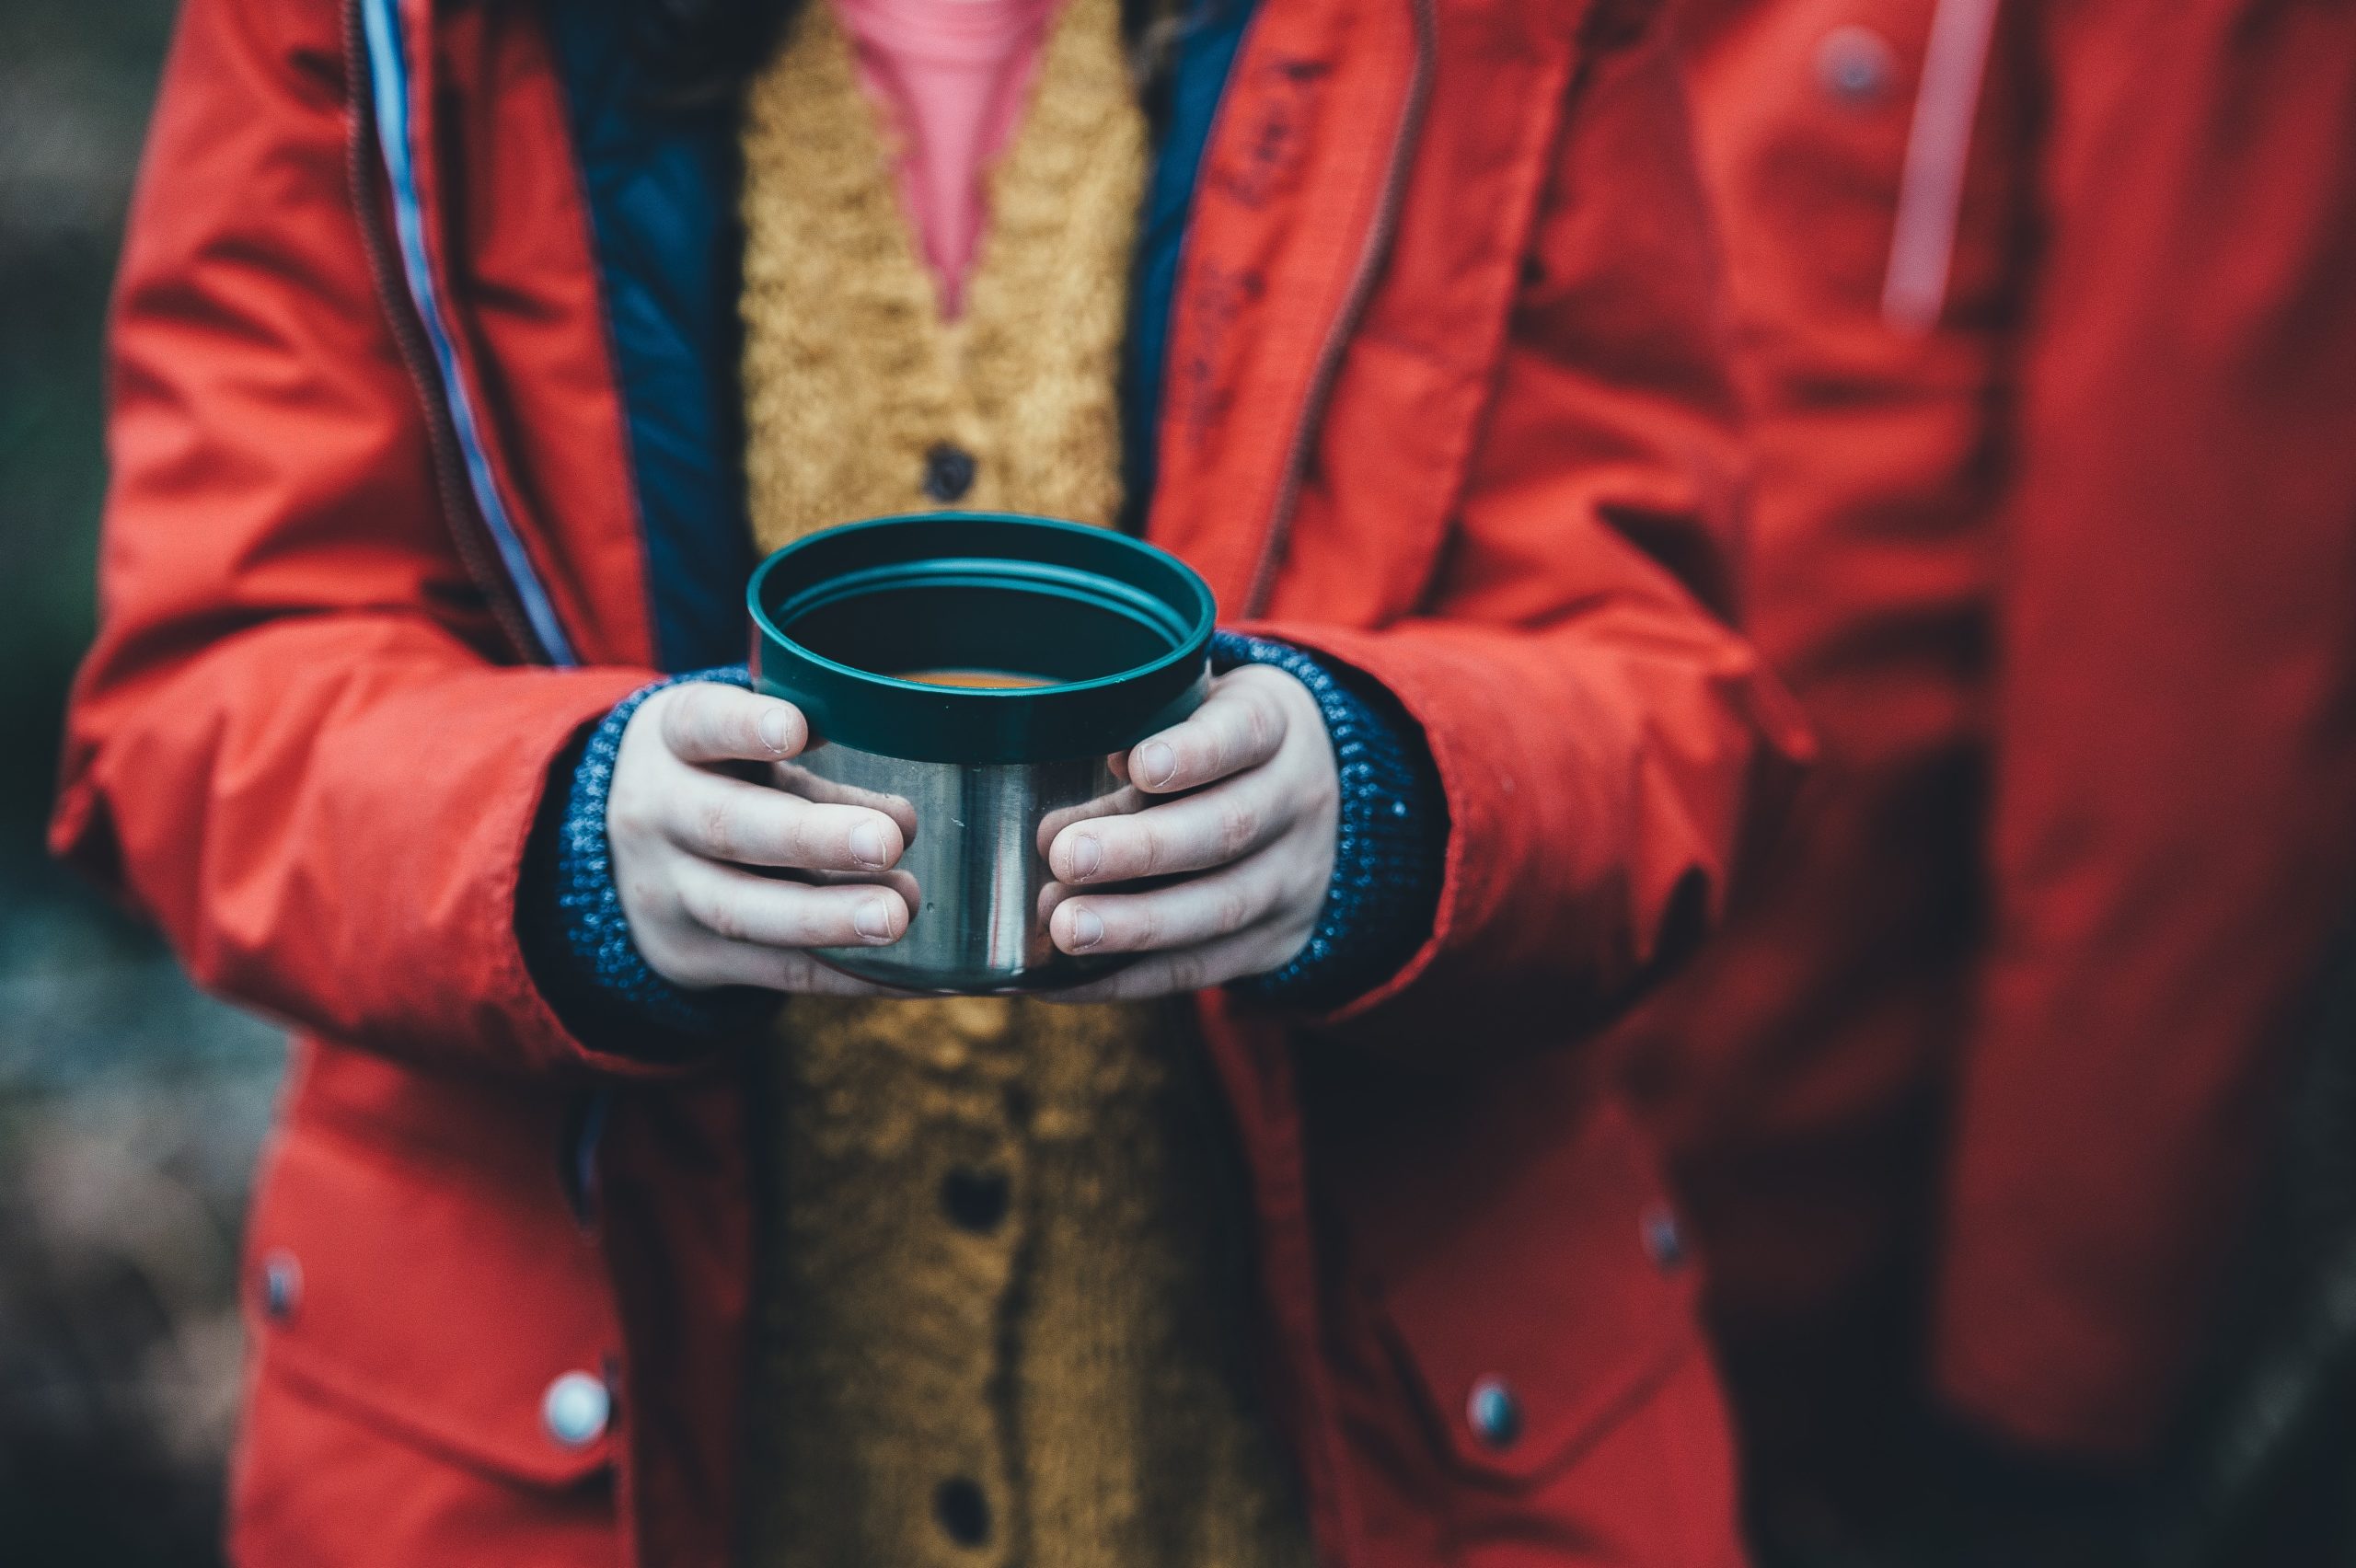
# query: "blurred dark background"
[[131, 1108]]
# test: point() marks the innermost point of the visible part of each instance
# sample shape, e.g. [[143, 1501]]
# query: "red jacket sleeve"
[[2175, 832], [1601, 735], [294, 742]]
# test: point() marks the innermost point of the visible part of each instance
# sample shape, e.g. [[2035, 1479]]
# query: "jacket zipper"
[[479, 552], [428, 340], [1328, 365], [467, 530], [1425, 15]]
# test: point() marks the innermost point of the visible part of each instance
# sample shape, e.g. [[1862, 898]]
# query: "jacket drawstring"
[[1938, 147]]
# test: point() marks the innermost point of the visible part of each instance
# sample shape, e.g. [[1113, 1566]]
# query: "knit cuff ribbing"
[[586, 961], [1391, 847]]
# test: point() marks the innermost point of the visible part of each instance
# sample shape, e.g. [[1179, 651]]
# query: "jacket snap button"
[[974, 1200], [948, 472], [1494, 1412], [1855, 64], [282, 1285], [575, 1409], [1665, 1239], [964, 1512]]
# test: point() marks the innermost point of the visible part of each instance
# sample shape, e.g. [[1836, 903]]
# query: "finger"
[[1184, 913], [899, 882], [1179, 973], [796, 780], [716, 963], [704, 721], [1215, 827], [738, 907], [717, 818], [1112, 802], [807, 976], [1239, 725]]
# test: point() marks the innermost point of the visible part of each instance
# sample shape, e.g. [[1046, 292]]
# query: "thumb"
[[704, 721]]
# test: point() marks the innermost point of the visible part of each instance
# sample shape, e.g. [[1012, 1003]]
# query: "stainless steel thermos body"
[[979, 926], [1112, 636]]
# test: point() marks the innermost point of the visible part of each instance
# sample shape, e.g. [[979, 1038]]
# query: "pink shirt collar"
[[951, 76]]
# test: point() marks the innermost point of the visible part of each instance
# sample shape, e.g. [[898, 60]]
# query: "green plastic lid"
[[1119, 630]]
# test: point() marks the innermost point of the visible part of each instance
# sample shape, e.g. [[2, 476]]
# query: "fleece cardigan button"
[[963, 1510], [948, 472], [575, 1409], [975, 1200]]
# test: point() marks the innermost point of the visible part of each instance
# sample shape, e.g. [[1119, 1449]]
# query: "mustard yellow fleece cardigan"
[[1000, 1307]]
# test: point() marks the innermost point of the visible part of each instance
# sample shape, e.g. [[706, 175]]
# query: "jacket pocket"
[[1536, 1287], [450, 1306]]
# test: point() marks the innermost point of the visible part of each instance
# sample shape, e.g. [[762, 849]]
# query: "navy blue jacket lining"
[[661, 185], [1205, 58]]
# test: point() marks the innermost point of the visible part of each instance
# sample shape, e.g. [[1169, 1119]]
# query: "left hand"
[[1251, 849]]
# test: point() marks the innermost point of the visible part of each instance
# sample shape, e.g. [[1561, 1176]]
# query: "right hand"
[[698, 846]]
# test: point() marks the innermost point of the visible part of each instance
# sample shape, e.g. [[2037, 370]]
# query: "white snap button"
[[575, 1409], [1494, 1412], [1664, 1238]]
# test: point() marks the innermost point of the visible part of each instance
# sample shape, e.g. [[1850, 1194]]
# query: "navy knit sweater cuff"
[[590, 967], [1391, 852]]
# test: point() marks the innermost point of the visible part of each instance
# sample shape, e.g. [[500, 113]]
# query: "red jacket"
[[2055, 537], [1447, 406]]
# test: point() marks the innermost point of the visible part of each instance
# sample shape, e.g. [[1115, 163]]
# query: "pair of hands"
[[1238, 806]]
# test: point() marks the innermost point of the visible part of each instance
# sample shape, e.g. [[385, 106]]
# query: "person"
[[2043, 330], [464, 359]]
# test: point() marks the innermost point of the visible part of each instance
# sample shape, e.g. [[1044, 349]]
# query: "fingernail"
[[1087, 854], [776, 733], [872, 921], [1156, 763], [868, 847], [1087, 930]]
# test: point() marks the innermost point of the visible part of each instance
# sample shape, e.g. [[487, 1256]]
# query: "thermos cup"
[[979, 667]]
